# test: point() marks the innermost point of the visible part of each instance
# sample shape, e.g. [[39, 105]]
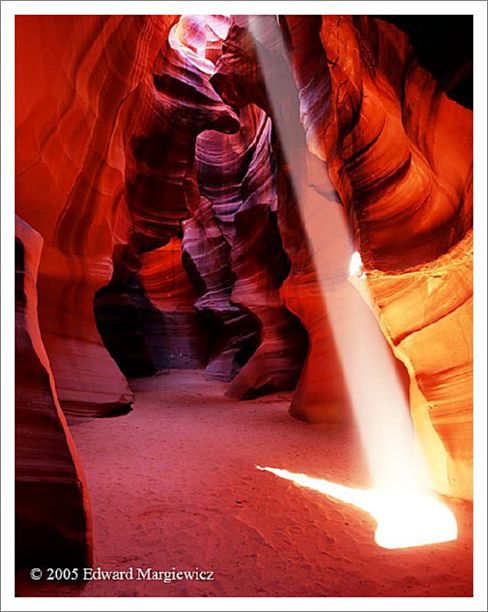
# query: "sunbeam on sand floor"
[[174, 484], [405, 517]]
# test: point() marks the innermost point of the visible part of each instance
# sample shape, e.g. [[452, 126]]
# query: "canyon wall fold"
[[52, 515], [237, 175], [399, 153], [201, 185], [72, 78]]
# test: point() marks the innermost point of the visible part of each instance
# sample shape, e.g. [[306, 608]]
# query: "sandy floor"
[[174, 485]]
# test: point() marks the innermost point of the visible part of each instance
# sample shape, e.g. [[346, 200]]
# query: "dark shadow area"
[[443, 45]]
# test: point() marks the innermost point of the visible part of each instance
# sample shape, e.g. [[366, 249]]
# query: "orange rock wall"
[[73, 75], [181, 229], [399, 153]]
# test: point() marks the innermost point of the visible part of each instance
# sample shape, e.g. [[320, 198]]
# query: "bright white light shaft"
[[380, 406], [355, 265]]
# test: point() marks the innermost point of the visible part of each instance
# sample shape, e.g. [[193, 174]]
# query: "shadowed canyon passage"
[[190, 195]]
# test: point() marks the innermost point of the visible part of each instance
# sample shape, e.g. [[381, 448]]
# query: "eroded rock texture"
[[381, 126], [310, 219], [399, 153], [72, 78], [237, 179], [201, 185], [176, 336], [52, 512], [162, 119]]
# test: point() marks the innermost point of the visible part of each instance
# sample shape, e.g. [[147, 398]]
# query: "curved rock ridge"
[[162, 120], [385, 151], [399, 153], [428, 313], [201, 184], [236, 173], [154, 164], [206, 257], [147, 320], [175, 333], [221, 162], [320, 394], [69, 165], [52, 519], [261, 264]]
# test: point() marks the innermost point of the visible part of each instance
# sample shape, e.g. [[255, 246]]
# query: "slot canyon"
[[243, 263]]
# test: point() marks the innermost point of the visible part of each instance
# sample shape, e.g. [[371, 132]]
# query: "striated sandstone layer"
[[428, 313], [161, 121], [309, 217], [399, 153], [237, 175], [52, 513], [69, 164], [239, 80], [176, 335], [384, 143], [201, 185], [234, 333]]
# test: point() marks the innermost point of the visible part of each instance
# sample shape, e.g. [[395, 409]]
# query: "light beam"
[[380, 406], [404, 518]]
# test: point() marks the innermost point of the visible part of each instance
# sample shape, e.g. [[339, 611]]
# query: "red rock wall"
[[320, 394], [176, 336], [182, 229], [73, 75], [399, 153], [389, 157], [52, 510], [161, 123], [207, 259]]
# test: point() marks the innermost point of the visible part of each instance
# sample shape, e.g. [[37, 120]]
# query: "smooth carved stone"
[[176, 334], [236, 173], [165, 115], [69, 165], [320, 394], [428, 314], [52, 511], [399, 153], [260, 265], [161, 122], [385, 145], [206, 256]]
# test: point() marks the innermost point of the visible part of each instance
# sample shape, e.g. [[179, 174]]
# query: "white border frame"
[[449, 7]]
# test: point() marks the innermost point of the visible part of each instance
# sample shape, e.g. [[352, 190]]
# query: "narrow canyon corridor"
[[243, 284], [173, 484]]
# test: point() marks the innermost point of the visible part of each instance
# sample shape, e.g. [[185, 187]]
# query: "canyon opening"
[[243, 256]]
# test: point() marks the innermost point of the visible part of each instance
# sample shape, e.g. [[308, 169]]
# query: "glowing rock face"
[[129, 139], [72, 75], [399, 153], [381, 139]]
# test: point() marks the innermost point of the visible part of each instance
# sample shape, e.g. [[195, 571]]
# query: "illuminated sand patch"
[[404, 517]]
